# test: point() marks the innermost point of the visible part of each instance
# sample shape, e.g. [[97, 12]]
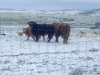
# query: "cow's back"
[[38, 29]]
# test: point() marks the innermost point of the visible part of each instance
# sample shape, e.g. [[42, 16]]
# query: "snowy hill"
[[67, 11], [71, 12], [90, 12]]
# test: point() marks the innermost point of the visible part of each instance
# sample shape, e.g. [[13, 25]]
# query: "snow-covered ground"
[[21, 57]]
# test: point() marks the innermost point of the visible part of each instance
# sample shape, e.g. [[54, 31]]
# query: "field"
[[81, 56]]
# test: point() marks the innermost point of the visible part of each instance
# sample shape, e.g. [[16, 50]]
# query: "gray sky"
[[50, 4]]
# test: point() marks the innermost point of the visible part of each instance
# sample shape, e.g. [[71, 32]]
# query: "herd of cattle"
[[36, 30]]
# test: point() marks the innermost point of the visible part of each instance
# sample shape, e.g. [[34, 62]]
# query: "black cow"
[[41, 30]]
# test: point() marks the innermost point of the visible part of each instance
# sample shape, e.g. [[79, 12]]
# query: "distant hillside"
[[5, 9], [90, 12], [63, 11], [8, 9]]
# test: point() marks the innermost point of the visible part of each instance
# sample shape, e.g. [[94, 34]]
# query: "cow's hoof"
[[56, 41], [48, 41], [65, 43]]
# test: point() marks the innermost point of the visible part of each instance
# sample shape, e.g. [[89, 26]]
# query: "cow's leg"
[[43, 37], [50, 37], [64, 40], [33, 37], [67, 36], [37, 38], [57, 38], [28, 37]]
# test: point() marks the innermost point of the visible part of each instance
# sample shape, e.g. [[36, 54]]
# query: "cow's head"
[[31, 23]]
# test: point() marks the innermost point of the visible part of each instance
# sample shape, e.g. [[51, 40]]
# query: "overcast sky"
[[50, 4]]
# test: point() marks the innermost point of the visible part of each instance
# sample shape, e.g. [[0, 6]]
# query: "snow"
[[21, 57]]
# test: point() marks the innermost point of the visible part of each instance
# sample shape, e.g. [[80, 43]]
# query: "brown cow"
[[62, 29], [82, 34], [27, 32], [96, 32]]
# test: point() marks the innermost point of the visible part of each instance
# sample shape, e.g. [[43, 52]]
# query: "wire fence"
[[18, 56]]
